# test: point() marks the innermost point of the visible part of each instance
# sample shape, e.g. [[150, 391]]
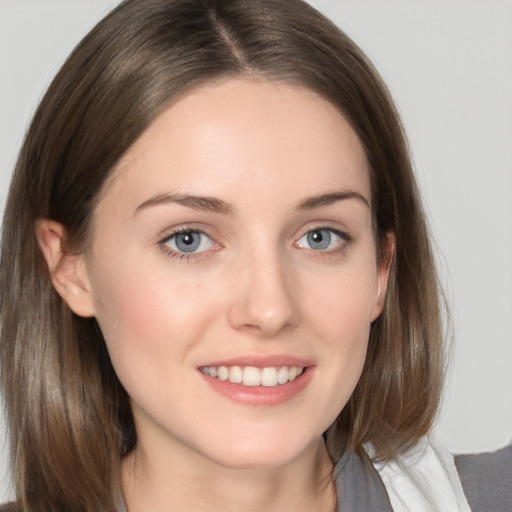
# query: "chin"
[[261, 453], [256, 460]]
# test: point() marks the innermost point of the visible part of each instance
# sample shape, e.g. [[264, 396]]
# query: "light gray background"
[[449, 66]]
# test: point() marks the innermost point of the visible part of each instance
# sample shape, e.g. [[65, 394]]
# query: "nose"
[[263, 296]]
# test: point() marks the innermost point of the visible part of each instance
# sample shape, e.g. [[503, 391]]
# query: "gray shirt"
[[487, 480]]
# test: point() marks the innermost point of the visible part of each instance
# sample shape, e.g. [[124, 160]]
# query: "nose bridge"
[[264, 298]]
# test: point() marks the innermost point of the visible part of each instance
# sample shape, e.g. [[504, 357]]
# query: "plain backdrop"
[[448, 64]]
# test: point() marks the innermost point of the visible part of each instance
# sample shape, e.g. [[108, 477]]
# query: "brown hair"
[[69, 418]]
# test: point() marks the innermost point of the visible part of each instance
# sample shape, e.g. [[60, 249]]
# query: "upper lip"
[[262, 361]]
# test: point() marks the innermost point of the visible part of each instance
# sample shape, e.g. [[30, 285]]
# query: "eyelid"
[[327, 225], [193, 227]]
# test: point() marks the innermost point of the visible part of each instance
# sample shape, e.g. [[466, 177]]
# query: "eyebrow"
[[203, 203], [215, 205], [329, 198]]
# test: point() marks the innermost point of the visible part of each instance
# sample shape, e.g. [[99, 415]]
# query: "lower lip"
[[260, 395]]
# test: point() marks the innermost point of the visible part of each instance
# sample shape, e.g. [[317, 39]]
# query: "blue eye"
[[321, 240], [188, 242]]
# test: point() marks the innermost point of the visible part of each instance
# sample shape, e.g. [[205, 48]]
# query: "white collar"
[[423, 479]]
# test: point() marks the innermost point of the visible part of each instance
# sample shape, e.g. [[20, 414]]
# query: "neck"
[[184, 482]]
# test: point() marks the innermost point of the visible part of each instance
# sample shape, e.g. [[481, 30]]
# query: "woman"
[[217, 285]]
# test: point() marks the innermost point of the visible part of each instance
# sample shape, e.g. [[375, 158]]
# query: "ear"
[[386, 256], [68, 271]]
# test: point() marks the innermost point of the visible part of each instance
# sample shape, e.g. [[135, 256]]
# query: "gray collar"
[[359, 486]]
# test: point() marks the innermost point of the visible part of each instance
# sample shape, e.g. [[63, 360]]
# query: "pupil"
[[187, 239], [317, 237]]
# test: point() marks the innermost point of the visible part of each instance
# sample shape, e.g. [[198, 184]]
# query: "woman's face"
[[234, 243]]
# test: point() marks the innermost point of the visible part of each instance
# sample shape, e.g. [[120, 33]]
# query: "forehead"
[[244, 138]]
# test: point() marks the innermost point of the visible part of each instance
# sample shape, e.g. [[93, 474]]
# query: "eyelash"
[[196, 256]]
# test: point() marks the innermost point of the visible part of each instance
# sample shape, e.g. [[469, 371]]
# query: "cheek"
[[341, 303], [339, 312], [147, 315]]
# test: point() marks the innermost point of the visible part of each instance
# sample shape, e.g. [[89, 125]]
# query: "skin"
[[256, 287]]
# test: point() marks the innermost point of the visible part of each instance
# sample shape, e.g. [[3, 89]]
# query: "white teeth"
[[252, 376], [282, 375], [269, 377], [235, 374], [223, 373]]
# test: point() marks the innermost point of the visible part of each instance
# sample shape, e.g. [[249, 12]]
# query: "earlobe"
[[68, 271]]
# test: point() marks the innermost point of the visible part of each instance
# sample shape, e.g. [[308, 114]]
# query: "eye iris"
[[319, 239], [188, 242]]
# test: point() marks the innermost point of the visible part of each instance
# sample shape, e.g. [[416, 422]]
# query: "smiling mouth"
[[252, 376]]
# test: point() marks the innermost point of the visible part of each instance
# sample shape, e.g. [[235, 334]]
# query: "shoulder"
[[487, 479]]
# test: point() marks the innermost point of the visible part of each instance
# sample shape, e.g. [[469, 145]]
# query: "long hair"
[[69, 418]]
